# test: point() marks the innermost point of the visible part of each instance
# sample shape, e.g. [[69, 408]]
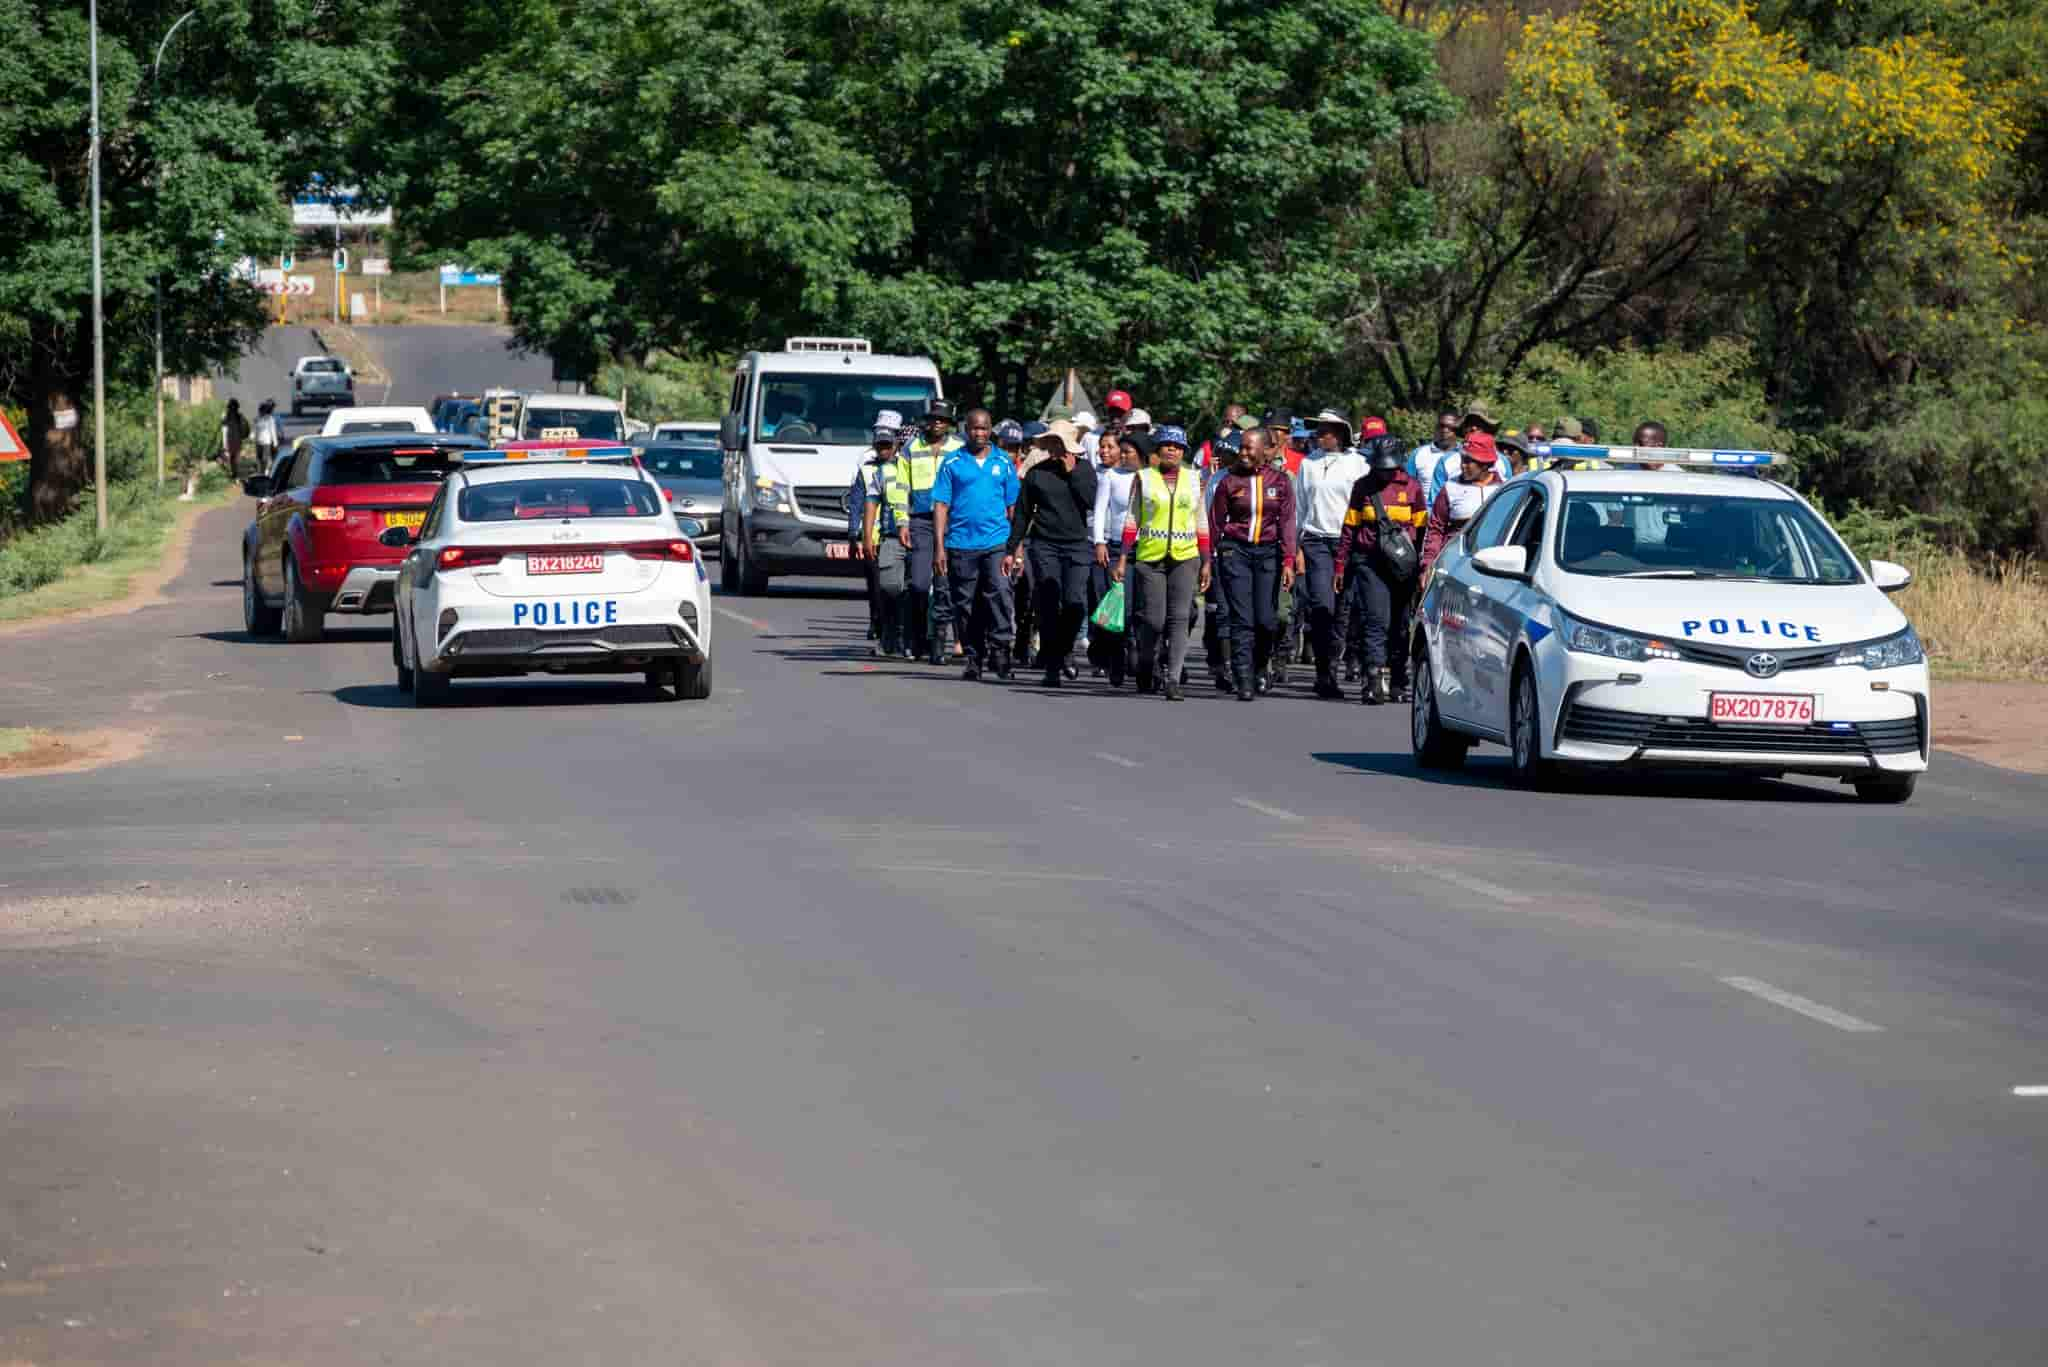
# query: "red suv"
[[318, 543]]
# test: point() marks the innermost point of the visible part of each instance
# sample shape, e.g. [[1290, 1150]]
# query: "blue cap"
[[1034, 430], [1009, 432], [1170, 436], [1300, 428]]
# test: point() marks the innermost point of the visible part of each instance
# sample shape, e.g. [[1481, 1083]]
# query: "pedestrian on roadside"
[[1166, 549], [1422, 461], [1459, 501], [1113, 484], [971, 501], [1386, 498], [1215, 612], [930, 613], [234, 430], [1204, 459], [1475, 421], [1516, 448], [1251, 526], [1322, 491], [1050, 523], [1026, 451], [885, 534], [267, 434]]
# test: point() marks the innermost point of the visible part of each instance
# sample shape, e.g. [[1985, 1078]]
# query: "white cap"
[[1084, 420], [1139, 418]]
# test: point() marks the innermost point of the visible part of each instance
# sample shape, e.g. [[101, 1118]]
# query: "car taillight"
[[661, 550], [327, 512], [466, 557]]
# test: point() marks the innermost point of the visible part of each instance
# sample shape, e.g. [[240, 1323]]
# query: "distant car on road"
[[452, 412], [589, 416], [685, 431], [405, 418], [547, 562], [1657, 618], [692, 470], [312, 548], [321, 382]]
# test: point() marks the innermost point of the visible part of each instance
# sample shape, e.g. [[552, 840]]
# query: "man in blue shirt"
[[971, 501]]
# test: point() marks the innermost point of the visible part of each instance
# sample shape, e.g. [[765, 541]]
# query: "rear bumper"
[[366, 589], [622, 648], [321, 398]]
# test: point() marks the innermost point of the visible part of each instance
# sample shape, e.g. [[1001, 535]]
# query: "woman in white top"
[[1112, 510]]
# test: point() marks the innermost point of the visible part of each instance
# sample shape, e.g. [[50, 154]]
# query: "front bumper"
[[325, 399], [1655, 713], [781, 543]]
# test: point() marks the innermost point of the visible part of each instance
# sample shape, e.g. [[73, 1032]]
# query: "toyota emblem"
[[1763, 664]]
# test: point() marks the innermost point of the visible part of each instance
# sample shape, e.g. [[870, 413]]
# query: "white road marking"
[[1116, 759], [2030, 1091], [991, 1291], [1279, 813], [755, 623], [991, 873], [1481, 886], [1813, 1010]]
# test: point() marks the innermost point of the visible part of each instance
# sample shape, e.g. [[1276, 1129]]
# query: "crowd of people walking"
[[1114, 544]]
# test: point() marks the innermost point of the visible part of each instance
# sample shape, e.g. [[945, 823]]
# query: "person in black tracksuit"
[[1050, 521]]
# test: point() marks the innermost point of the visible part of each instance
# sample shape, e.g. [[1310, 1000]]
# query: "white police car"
[[561, 561], [1668, 617]]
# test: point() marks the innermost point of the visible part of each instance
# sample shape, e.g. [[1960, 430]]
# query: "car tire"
[[1890, 790], [693, 680], [1526, 766], [258, 617], [305, 615], [405, 674], [752, 582], [430, 689], [728, 559], [1435, 745]]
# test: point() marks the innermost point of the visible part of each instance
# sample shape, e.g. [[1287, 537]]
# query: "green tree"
[[256, 96]]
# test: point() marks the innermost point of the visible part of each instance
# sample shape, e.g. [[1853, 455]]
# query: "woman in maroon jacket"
[[1251, 528], [1387, 496], [1459, 501]]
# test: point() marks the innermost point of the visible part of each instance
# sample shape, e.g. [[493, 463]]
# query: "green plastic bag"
[[1109, 613]]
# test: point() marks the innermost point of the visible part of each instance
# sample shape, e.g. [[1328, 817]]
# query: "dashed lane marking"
[[753, 622], [1481, 886], [1812, 1010], [1277, 813], [1116, 759], [2030, 1090]]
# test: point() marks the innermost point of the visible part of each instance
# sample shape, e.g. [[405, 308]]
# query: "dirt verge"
[[46, 752], [2005, 724]]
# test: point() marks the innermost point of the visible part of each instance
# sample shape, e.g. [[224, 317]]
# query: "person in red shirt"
[[1458, 502], [1387, 496], [1251, 527]]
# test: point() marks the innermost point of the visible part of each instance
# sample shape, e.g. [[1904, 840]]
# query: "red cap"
[[1372, 427], [1117, 402], [1480, 447]]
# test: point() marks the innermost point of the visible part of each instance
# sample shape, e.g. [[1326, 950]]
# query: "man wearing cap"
[[971, 501], [1572, 432], [886, 536], [1116, 411], [1322, 491], [1251, 525], [1386, 498], [1477, 421], [1516, 448], [1166, 548], [1050, 521], [929, 612]]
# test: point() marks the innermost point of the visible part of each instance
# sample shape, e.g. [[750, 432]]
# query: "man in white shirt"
[[1322, 494]]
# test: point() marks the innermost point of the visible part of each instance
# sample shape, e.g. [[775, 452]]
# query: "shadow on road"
[[520, 693], [334, 636], [1492, 772]]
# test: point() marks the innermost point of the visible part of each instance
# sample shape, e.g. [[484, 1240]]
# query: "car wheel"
[[1435, 745], [1526, 766], [728, 559], [1891, 789], [753, 583], [693, 679], [258, 617], [430, 689], [304, 614], [405, 674]]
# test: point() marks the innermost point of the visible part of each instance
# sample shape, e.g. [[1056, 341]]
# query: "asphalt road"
[[418, 361], [863, 1015]]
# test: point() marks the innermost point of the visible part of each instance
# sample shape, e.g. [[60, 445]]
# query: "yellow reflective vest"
[[1169, 520], [924, 460]]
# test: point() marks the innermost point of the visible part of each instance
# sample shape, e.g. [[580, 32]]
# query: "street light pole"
[[99, 355], [155, 72]]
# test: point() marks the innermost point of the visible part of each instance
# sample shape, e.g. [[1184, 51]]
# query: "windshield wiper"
[[1668, 574]]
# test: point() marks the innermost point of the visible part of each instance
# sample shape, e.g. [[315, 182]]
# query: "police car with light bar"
[[550, 559], [1677, 615]]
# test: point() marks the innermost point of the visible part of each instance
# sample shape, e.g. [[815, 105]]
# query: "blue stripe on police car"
[[573, 612]]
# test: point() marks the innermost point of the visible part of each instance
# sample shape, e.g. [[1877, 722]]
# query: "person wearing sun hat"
[[1050, 523], [1477, 422], [1322, 491], [1460, 499]]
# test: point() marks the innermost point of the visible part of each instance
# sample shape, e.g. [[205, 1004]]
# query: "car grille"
[[525, 640], [821, 500], [1734, 657], [1642, 731]]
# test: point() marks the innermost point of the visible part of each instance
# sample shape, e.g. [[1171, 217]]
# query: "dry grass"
[[414, 297], [1976, 624]]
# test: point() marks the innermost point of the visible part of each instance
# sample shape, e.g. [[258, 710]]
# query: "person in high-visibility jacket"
[[930, 614], [1167, 545], [1386, 496], [886, 539]]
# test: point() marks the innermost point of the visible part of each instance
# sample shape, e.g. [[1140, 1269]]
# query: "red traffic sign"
[[11, 445]]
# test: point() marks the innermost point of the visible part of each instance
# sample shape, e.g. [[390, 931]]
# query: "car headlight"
[[1890, 653], [1588, 639], [771, 496]]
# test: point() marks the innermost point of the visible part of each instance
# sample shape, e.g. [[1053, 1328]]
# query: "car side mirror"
[[1503, 562], [689, 526], [396, 537], [257, 486], [729, 432], [1888, 576]]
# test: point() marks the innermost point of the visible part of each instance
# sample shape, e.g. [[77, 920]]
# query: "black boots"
[[1326, 685], [1375, 691]]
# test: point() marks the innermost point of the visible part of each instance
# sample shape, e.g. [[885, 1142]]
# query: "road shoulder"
[[131, 589], [2003, 724]]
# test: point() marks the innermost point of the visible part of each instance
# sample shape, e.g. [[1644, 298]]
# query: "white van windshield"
[[836, 410]]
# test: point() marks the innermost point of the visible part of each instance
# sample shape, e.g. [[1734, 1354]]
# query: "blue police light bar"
[[1660, 455], [542, 455]]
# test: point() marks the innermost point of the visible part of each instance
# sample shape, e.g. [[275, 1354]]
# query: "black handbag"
[[1397, 548]]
